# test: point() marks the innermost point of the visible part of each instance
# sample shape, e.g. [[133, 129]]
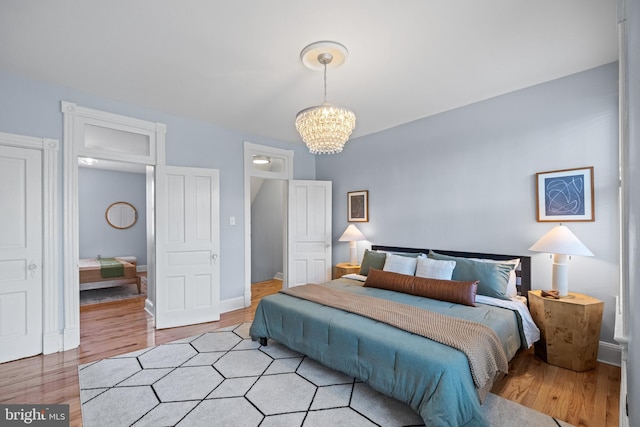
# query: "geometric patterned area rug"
[[223, 378]]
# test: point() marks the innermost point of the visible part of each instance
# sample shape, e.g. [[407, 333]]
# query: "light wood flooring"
[[583, 399]]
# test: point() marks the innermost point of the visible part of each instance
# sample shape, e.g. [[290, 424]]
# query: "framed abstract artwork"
[[565, 195], [358, 206]]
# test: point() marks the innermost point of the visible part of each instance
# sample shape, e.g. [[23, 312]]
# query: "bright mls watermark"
[[34, 415]]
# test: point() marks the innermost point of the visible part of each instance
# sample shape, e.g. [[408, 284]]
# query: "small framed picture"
[[358, 206], [565, 195]]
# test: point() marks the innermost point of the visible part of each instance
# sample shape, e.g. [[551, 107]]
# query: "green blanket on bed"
[[111, 267]]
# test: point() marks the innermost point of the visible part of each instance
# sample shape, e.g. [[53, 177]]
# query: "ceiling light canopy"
[[325, 128], [261, 160], [87, 161]]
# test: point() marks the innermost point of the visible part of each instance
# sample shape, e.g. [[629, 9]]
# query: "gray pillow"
[[372, 259], [492, 277]]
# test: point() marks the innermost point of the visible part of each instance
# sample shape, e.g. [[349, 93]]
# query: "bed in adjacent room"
[[97, 273], [434, 329]]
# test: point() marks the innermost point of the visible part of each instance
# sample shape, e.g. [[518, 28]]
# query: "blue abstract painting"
[[564, 195]]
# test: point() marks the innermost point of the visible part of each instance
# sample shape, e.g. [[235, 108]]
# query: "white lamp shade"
[[352, 234], [560, 240]]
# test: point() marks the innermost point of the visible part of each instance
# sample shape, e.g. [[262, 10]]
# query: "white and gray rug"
[[223, 378]]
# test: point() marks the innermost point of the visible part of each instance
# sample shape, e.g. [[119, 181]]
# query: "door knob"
[[32, 268]]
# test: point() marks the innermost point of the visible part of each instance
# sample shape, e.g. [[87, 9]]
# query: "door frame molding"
[[74, 120], [51, 289], [251, 149]]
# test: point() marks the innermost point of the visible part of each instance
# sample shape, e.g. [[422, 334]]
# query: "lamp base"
[[560, 277], [353, 253]]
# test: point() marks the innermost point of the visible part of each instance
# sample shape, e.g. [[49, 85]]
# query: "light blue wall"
[[465, 179], [97, 190], [32, 108]]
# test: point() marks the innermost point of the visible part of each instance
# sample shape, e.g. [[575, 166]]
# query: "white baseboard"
[[610, 354], [52, 342], [231, 304], [279, 276], [149, 308], [71, 338], [141, 268]]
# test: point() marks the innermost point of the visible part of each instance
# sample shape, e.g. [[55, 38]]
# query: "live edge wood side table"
[[569, 329], [343, 268]]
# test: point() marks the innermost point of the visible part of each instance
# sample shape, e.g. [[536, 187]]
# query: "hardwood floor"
[[588, 398], [583, 399]]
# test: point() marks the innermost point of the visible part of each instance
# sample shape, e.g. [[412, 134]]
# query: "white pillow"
[[512, 290], [435, 269], [400, 264]]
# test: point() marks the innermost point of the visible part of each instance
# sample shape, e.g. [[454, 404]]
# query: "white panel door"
[[187, 246], [309, 232], [20, 253]]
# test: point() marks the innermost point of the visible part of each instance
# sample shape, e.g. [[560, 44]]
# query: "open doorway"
[[103, 136], [268, 235], [112, 231], [267, 172], [306, 220]]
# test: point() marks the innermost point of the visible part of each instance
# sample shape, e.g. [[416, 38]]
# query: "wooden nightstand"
[[569, 329], [343, 268]]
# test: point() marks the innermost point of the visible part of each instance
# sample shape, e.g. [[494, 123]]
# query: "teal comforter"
[[434, 379]]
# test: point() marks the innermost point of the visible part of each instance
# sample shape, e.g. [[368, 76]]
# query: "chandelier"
[[325, 128]]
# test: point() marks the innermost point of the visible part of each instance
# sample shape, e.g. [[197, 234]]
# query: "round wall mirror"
[[121, 215]]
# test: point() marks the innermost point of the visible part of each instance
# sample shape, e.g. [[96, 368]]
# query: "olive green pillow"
[[372, 259]]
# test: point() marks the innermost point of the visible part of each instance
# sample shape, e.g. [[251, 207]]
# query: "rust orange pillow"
[[455, 291]]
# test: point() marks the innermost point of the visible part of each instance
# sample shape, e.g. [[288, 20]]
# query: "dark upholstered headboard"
[[524, 272]]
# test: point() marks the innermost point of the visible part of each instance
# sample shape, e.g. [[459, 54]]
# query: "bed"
[[97, 273], [436, 380]]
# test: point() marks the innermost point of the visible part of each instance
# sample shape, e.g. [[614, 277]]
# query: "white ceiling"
[[236, 63]]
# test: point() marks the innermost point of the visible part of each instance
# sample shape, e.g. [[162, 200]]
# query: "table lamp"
[[562, 243], [352, 235]]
